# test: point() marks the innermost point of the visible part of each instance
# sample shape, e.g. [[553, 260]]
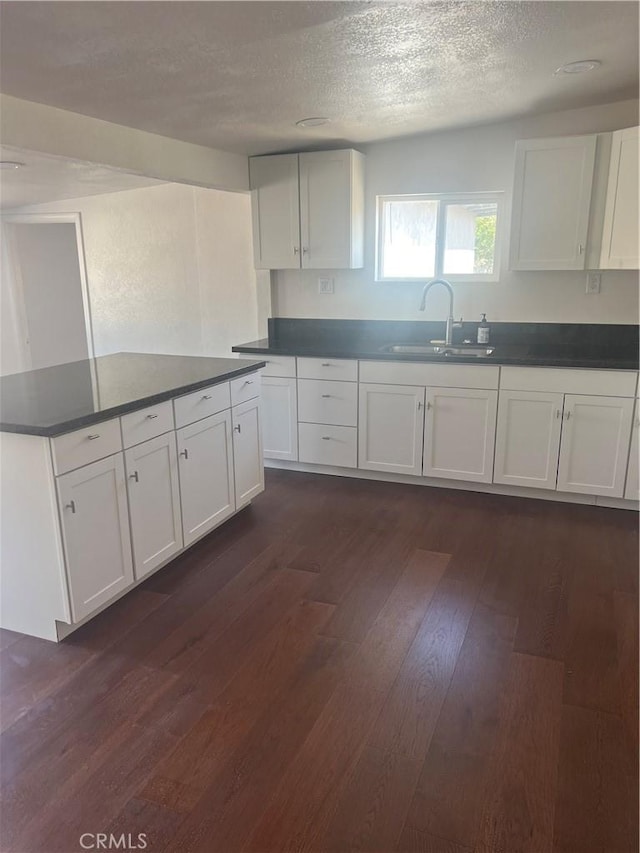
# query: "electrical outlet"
[[594, 280], [325, 285]]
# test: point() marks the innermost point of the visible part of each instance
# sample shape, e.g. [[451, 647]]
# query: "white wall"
[[473, 159], [169, 269]]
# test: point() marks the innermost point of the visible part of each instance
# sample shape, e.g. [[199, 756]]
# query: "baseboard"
[[463, 485]]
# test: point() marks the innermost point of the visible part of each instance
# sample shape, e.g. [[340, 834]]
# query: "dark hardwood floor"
[[345, 666]]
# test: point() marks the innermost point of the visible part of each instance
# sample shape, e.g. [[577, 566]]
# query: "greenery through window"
[[423, 236]]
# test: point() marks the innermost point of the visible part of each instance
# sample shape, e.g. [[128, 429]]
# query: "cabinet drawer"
[[328, 445], [608, 383], [245, 388], [322, 401], [344, 369], [482, 376], [200, 404], [146, 423], [74, 449], [280, 365]]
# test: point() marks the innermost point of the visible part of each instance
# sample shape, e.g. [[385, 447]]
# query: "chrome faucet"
[[451, 324]]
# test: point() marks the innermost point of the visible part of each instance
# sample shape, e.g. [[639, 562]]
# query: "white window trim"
[[444, 199]]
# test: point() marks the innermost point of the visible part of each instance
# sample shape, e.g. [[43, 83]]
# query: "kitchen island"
[[110, 468]]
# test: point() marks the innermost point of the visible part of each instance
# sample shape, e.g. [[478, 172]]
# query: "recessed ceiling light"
[[11, 164], [315, 121], [578, 67]]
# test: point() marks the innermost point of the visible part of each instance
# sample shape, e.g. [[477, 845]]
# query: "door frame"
[[15, 287]]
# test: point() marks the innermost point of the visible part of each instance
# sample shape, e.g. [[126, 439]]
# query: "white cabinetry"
[[391, 427], [459, 434], [632, 489], [247, 452], [206, 474], [280, 417], [528, 438], [551, 203], [308, 210], [620, 239], [154, 502], [95, 531], [594, 445]]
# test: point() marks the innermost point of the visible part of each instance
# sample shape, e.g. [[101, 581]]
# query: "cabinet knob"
[[93, 437], [72, 506], [134, 476], [151, 417], [184, 453]]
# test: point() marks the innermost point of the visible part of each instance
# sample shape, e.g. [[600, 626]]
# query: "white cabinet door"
[[331, 209], [632, 489], [95, 531], [154, 502], [247, 452], [594, 446], [275, 209], [528, 439], [205, 463], [391, 427], [459, 434], [279, 418], [551, 202], [620, 239]]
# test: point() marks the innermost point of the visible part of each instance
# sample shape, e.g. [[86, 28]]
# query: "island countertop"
[[55, 400]]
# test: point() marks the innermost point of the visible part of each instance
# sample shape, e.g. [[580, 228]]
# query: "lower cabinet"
[[95, 532], [247, 452], [205, 462], [391, 426], [154, 502], [594, 445], [528, 439], [632, 489], [279, 417], [459, 434]]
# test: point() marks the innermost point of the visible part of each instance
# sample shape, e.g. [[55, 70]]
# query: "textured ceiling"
[[47, 178], [237, 75]]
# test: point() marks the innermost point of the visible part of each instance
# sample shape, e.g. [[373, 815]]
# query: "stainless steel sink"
[[444, 351]]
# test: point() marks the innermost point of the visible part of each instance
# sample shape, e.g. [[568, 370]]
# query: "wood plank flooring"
[[345, 666]]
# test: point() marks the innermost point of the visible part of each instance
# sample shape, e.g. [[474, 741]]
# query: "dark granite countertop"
[[594, 346], [59, 399]]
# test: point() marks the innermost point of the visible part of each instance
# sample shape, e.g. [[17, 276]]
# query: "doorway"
[[46, 278]]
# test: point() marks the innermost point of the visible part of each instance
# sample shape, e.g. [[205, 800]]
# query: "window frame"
[[444, 200]]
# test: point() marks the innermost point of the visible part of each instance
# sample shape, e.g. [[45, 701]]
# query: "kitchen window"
[[450, 236]]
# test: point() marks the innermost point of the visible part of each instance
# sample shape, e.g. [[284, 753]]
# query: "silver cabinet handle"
[[206, 396], [325, 396], [326, 364], [184, 453], [305, 250], [248, 382], [580, 248], [72, 506], [296, 250], [419, 405], [237, 428], [93, 437], [558, 413], [151, 417], [567, 415], [134, 476], [326, 438]]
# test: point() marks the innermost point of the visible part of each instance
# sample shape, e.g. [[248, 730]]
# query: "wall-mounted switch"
[[325, 285], [594, 280]]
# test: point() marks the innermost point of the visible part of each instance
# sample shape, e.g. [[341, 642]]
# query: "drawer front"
[[328, 445], [146, 423], [245, 388], [200, 404], [280, 365], [83, 446], [322, 401], [483, 376], [607, 383], [344, 369]]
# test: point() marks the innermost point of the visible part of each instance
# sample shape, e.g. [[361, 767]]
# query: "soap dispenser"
[[483, 330]]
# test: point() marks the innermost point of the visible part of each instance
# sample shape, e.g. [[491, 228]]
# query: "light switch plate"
[[325, 285], [594, 280]]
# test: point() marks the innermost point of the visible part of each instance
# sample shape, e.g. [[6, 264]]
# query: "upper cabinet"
[[551, 203], [308, 210], [620, 248]]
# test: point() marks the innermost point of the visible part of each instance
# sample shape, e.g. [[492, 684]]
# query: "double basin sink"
[[441, 350]]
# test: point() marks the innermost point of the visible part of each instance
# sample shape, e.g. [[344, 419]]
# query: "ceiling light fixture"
[[11, 164], [578, 67], [315, 121]]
